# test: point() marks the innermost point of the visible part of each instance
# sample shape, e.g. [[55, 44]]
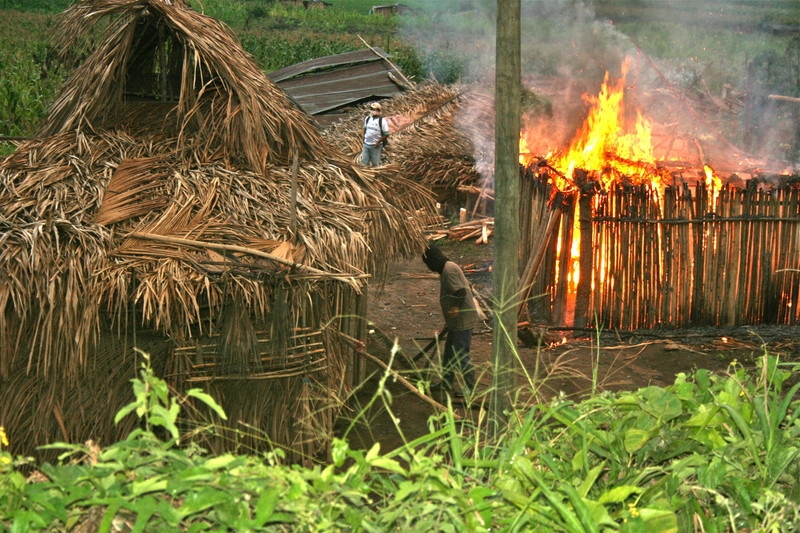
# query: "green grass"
[[708, 453], [46, 6], [747, 13]]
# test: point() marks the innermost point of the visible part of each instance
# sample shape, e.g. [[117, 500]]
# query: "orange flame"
[[713, 184], [606, 143], [607, 146]]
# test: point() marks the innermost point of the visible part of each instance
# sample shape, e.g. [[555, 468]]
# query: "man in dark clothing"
[[460, 316]]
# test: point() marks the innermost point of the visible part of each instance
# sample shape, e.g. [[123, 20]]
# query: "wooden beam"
[[783, 98]]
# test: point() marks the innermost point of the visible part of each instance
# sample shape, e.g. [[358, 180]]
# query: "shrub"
[[709, 453]]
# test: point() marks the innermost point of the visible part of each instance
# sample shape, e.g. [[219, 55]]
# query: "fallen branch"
[[409, 84], [359, 348], [783, 98]]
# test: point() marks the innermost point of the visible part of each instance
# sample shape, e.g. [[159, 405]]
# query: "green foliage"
[[718, 453], [31, 74], [47, 6], [275, 53], [231, 12]]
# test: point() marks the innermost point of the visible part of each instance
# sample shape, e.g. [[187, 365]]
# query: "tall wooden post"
[[507, 187], [583, 294]]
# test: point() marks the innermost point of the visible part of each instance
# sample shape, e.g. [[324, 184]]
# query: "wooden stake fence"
[[684, 256]]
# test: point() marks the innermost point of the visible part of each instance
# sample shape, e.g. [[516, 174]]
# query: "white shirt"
[[372, 126]]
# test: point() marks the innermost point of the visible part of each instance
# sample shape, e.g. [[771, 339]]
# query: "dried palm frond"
[[179, 217], [223, 106], [438, 136], [349, 221], [127, 194]]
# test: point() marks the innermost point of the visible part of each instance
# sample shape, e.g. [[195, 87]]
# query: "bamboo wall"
[[684, 256]]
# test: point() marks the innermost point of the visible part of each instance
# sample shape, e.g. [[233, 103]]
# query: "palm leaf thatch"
[[212, 95], [442, 136], [200, 207]]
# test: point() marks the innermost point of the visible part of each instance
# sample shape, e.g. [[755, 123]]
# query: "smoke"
[[565, 52], [558, 37], [693, 80]]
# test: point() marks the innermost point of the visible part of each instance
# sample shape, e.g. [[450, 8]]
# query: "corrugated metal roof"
[[327, 84]]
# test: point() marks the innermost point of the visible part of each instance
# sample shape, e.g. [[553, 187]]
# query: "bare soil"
[[405, 314]]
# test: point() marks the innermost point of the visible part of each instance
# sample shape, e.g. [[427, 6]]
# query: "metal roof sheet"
[[330, 83]]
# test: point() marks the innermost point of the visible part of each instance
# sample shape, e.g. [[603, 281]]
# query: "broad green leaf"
[[619, 494], [208, 400], [713, 474], [223, 461], [572, 522], [659, 521], [139, 487], [636, 438], [661, 404], [579, 505], [524, 467], [195, 474], [266, 505], [405, 488], [339, 451], [710, 437], [590, 478], [373, 452], [296, 490], [125, 411], [599, 513], [706, 415], [513, 491], [388, 464], [159, 416], [24, 518], [203, 499]]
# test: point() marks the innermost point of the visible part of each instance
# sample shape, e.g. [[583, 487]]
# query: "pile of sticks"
[[480, 230]]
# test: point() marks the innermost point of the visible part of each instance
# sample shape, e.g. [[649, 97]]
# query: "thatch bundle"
[[200, 212], [442, 136]]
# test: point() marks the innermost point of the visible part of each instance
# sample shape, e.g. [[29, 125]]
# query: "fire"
[[607, 144], [609, 147], [713, 184]]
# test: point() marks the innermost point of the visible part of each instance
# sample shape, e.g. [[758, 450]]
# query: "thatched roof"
[[437, 135], [213, 98], [171, 176]]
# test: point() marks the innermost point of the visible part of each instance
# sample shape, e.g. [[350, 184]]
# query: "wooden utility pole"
[[506, 218]]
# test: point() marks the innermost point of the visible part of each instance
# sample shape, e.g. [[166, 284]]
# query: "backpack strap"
[[380, 123]]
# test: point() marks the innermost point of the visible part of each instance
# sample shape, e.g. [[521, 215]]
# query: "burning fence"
[[611, 237], [689, 255]]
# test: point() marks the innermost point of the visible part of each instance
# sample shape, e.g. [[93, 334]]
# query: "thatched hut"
[[176, 202], [439, 139]]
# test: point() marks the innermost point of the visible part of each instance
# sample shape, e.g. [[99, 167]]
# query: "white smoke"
[[566, 50]]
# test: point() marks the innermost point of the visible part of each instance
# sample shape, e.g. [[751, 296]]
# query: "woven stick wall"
[[681, 256]]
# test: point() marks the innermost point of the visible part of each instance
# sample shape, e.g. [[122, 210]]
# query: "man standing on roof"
[[460, 316], [376, 131]]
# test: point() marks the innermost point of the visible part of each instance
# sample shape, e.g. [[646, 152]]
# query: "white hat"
[[375, 105]]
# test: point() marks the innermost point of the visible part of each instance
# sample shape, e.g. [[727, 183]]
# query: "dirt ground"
[[406, 313]]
